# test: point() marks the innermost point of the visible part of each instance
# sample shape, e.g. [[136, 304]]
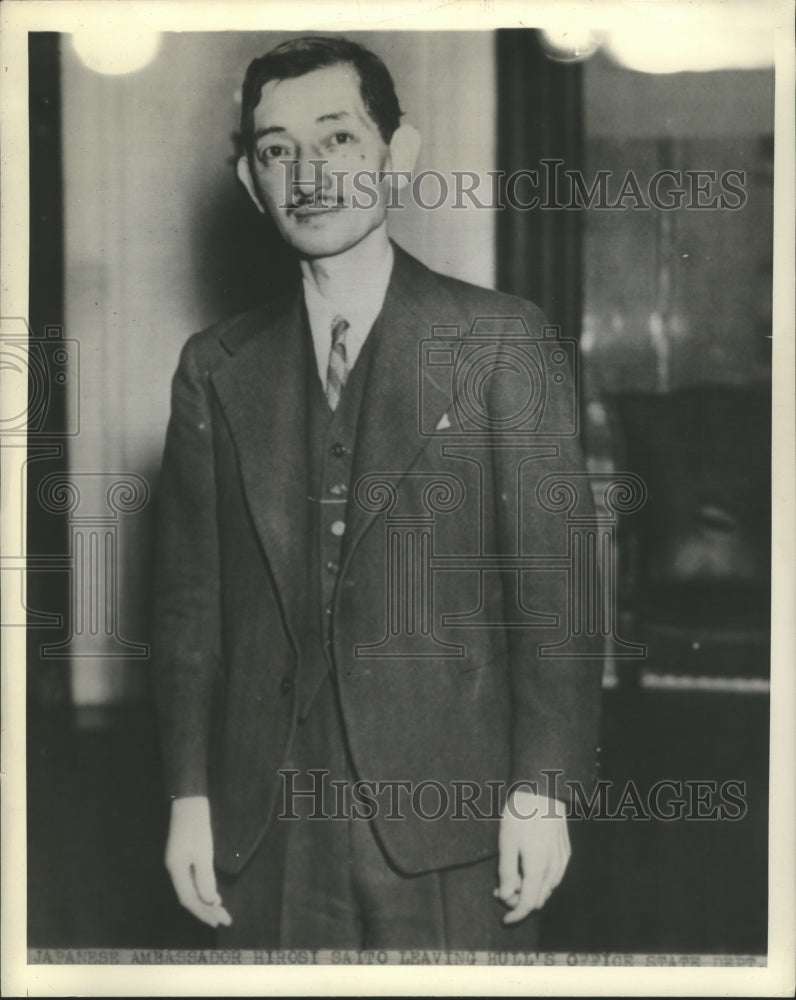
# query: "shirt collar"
[[359, 306]]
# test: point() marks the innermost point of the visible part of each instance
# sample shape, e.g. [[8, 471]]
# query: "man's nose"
[[308, 176]]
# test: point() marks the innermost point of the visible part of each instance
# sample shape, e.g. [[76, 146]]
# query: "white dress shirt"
[[360, 308]]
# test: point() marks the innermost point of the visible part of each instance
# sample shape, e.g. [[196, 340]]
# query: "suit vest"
[[331, 444]]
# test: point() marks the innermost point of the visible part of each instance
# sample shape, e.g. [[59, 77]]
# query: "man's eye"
[[341, 139], [269, 153]]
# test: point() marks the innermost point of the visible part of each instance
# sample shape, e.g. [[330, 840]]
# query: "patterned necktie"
[[337, 372]]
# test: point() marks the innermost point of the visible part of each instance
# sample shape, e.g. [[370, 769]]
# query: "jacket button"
[[338, 450], [286, 686]]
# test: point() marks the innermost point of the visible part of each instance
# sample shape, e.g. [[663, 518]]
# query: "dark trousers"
[[327, 883]]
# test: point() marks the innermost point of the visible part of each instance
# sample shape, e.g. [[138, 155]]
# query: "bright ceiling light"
[[570, 43], [662, 37], [122, 44], [698, 51], [671, 39]]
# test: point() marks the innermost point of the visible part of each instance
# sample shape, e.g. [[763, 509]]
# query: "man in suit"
[[309, 673]]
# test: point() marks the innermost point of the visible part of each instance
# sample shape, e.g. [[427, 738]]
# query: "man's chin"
[[322, 240], [316, 248]]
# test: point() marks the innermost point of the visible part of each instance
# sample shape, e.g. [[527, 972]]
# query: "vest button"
[[338, 528], [332, 566], [338, 450], [286, 686]]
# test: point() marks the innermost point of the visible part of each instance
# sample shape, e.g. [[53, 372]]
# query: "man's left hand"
[[534, 852]]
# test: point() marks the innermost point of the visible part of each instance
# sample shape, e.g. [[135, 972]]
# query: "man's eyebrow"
[[270, 129], [333, 116]]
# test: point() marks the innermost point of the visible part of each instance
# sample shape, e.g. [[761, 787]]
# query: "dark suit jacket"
[[230, 587]]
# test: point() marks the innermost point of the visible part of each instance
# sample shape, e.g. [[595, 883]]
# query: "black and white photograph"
[[398, 547]]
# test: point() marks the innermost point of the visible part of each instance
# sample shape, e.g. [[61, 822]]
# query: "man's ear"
[[404, 147], [246, 179]]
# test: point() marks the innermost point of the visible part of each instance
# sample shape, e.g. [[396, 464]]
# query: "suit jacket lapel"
[[389, 439], [262, 389]]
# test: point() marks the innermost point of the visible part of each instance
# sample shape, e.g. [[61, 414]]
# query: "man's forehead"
[[302, 100]]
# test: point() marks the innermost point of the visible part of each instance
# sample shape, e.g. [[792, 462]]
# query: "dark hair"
[[303, 55]]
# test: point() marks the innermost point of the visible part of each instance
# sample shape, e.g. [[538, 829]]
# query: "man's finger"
[[530, 890], [184, 887], [562, 866], [541, 874], [183, 882], [554, 867], [207, 914], [205, 881], [566, 846], [563, 855], [552, 877], [509, 878], [528, 900], [552, 874]]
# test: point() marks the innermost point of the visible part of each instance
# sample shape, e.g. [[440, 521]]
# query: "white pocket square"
[[444, 423]]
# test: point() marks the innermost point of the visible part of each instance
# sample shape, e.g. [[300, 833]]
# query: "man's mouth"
[[308, 211]]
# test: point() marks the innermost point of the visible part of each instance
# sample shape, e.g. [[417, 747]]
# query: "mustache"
[[314, 199]]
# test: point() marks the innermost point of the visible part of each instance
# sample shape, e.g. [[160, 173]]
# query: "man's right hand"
[[189, 860]]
